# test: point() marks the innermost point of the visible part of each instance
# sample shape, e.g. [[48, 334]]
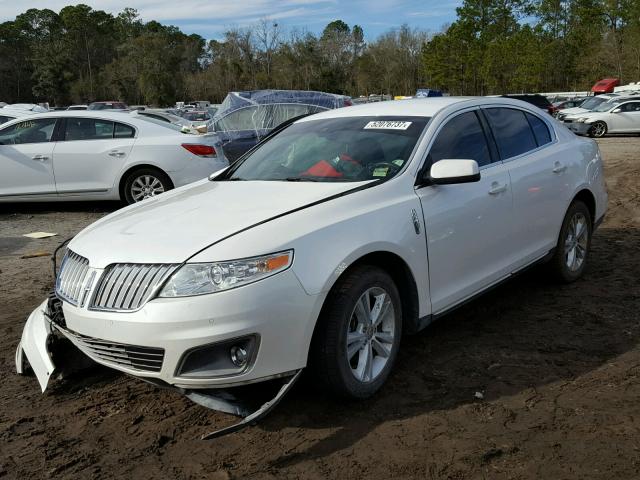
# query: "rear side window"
[[4, 118], [540, 130], [123, 131], [511, 131], [88, 129], [461, 138]]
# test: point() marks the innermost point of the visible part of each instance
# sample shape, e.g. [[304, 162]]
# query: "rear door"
[[90, 154], [469, 225], [26, 150], [538, 169]]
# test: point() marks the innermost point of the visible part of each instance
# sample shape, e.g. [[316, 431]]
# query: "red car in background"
[[605, 85]]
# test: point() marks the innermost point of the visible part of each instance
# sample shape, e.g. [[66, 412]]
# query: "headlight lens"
[[582, 120], [203, 278]]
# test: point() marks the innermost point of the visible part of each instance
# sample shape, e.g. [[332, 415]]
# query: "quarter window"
[[511, 130], [540, 130], [123, 131], [461, 138], [28, 131], [4, 118]]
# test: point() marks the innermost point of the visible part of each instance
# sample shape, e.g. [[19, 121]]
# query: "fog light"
[[239, 356], [220, 359]]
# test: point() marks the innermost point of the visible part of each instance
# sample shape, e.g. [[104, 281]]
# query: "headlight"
[[203, 278], [582, 120]]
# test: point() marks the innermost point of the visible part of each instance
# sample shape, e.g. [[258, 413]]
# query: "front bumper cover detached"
[[46, 330]]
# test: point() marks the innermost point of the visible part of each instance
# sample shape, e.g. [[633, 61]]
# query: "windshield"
[[606, 106], [349, 149], [592, 103]]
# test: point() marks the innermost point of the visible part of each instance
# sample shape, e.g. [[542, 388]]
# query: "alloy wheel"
[[576, 242], [146, 186], [370, 334], [599, 129]]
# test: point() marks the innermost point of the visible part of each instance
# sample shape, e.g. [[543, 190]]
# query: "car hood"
[[174, 226], [573, 111]]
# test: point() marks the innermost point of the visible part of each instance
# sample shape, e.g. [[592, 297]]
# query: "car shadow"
[[524, 334]]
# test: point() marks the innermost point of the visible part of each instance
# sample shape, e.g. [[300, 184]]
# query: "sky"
[[210, 18]]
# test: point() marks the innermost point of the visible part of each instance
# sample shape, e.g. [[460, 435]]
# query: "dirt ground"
[[558, 368]]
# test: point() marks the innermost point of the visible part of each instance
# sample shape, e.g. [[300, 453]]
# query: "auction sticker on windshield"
[[388, 125]]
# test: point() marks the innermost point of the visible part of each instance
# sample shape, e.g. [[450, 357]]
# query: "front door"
[[468, 225], [26, 158], [627, 119]]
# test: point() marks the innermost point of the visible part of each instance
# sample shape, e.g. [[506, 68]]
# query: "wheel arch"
[[588, 198], [133, 168], [402, 276]]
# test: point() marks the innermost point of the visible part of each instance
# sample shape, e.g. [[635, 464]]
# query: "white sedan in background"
[[103, 155], [323, 246], [619, 115]]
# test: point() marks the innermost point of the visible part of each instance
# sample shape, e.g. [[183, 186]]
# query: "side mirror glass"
[[450, 171]]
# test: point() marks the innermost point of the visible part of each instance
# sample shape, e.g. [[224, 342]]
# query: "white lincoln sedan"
[[86, 155], [322, 247]]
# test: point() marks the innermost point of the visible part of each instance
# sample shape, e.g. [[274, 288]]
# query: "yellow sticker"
[[380, 172]]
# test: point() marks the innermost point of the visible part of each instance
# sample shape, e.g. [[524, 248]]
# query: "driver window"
[[38, 130], [461, 138]]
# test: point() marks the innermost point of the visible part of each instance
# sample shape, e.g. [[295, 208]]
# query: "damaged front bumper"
[[46, 326]]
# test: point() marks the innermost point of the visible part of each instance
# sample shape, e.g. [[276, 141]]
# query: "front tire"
[[598, 129], [358, 334], [570, 258], [145, 183]]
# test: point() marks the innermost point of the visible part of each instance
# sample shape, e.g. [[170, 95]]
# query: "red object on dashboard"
[[322, 169]]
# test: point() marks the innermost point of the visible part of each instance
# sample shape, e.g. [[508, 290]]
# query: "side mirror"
[[451, 171], [616, 110]]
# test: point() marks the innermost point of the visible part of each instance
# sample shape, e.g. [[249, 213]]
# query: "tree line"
[[494, 46]]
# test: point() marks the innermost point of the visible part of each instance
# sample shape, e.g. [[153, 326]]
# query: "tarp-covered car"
[[244, 118]]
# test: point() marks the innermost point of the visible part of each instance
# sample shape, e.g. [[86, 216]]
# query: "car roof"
[[18, 112], [122, 116], [417, 107]]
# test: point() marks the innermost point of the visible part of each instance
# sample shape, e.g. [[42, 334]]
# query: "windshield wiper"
[[299, 179]]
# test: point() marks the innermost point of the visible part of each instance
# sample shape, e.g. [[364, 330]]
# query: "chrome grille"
[[73, 271], [147, 359], [128, 286]]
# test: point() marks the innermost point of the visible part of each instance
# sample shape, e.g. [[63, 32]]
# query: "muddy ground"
[[558, 368]]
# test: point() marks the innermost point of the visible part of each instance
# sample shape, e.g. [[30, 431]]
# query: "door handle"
[[559, 168], [496, 188], [40, 158], [116, 153]]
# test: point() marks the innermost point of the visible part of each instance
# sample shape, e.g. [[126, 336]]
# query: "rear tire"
[[358, 335], [145, 183], [570, 257]]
